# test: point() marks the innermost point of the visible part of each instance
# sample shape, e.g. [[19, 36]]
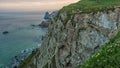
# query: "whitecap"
[[39, 45]]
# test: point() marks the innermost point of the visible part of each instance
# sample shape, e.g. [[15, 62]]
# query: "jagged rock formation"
[[48, 15], [47, 19], [72, 39]]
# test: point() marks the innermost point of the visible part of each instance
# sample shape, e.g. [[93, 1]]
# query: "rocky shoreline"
[[16, 60]]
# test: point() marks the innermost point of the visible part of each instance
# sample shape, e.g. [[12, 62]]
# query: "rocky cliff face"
[[72, 39]]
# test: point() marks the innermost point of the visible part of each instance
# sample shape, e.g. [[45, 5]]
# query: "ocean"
[[21, 34]]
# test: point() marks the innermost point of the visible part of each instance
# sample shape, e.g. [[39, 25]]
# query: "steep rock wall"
[[72, 39]]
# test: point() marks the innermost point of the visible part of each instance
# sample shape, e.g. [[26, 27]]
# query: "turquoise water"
[[21, 34]]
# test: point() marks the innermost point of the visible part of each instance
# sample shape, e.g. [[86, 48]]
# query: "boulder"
[[5, 32], [44, 24]]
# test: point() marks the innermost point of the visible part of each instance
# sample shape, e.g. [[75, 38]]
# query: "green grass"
[[108, 57], [87, 6]]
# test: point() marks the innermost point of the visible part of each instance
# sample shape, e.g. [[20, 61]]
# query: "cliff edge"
[[76, 33]]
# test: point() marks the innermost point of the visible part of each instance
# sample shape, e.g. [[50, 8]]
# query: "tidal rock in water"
[[5, 32], [33, 25], [44, 24]]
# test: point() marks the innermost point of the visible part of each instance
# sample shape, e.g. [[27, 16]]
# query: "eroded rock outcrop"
[[70, 41]]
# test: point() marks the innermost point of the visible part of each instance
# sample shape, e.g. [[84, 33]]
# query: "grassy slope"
[[108, 57], [87, 6]]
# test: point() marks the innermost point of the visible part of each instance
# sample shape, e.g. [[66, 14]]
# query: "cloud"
[[34, 0], [34, 4]]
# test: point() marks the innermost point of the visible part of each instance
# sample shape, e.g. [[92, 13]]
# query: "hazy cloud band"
[[34, 4]]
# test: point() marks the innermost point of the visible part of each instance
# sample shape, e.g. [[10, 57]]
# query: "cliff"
[[75, 35]]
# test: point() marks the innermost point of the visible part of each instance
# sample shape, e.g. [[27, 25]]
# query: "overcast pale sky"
[[34, 4]]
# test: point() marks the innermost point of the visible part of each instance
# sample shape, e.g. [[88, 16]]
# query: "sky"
[[34, 4]]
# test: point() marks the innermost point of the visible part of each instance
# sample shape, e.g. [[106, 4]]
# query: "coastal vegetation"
[[87, 6], [107, 57]]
